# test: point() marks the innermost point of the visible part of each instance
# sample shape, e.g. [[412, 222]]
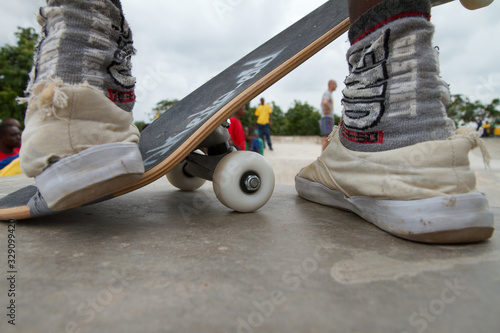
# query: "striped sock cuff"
[[386, 12]]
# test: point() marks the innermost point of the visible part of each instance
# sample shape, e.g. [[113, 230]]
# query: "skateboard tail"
[[16, 213]]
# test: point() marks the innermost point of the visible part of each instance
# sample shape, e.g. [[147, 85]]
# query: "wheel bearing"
[[250, 182]]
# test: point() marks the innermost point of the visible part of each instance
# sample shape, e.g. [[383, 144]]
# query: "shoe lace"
[[475, 138]]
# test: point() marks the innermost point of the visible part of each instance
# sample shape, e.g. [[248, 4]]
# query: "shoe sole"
[[462, 218], [90, 175]]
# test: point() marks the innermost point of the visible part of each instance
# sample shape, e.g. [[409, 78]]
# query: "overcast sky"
[[182, 44]]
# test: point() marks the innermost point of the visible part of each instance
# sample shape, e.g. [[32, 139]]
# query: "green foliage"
[[491, 110], [302, 119], [15, 65], [463, 111], [279, 120], [162, 107], [337, 119], [140, 125]]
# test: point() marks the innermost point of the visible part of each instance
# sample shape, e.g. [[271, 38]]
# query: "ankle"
[[86, 42]]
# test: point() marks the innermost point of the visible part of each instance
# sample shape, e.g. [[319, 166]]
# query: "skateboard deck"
[[175, 134]]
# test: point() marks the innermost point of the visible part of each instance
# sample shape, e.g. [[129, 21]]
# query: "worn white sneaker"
[[397, 160], [80, 143], [83, 151], [423, 192]]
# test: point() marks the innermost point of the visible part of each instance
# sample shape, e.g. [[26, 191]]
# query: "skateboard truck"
[[242, 180], [203, 166], [215, 147]]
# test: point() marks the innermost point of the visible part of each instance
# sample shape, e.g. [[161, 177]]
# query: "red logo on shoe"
[[121, 97], [364, 138]]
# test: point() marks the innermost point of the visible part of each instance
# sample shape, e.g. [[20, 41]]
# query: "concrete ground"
[[160, 260]]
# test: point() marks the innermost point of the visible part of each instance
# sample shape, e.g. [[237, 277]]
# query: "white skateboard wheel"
[[178, 178], [243, 181]]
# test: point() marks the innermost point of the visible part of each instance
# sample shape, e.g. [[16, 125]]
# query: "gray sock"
[[394, 96], [86, 41]]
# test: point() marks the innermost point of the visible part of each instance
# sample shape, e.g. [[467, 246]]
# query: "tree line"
[[15, 65], [301, 119]]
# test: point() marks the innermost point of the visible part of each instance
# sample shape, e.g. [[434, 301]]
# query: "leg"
[[395, 159], [262, 133], [268, 136], [79, 142], [326, 128]]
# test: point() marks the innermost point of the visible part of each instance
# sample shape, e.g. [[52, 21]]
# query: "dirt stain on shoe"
[[450, 202]]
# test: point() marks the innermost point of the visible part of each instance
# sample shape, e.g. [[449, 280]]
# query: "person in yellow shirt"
[[264, 122], [487, 128]]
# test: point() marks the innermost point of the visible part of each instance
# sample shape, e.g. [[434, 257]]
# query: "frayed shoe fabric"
[[79, 145], [424, 192]]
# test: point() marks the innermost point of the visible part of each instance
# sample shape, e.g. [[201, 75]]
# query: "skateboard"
[[243, 181]]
